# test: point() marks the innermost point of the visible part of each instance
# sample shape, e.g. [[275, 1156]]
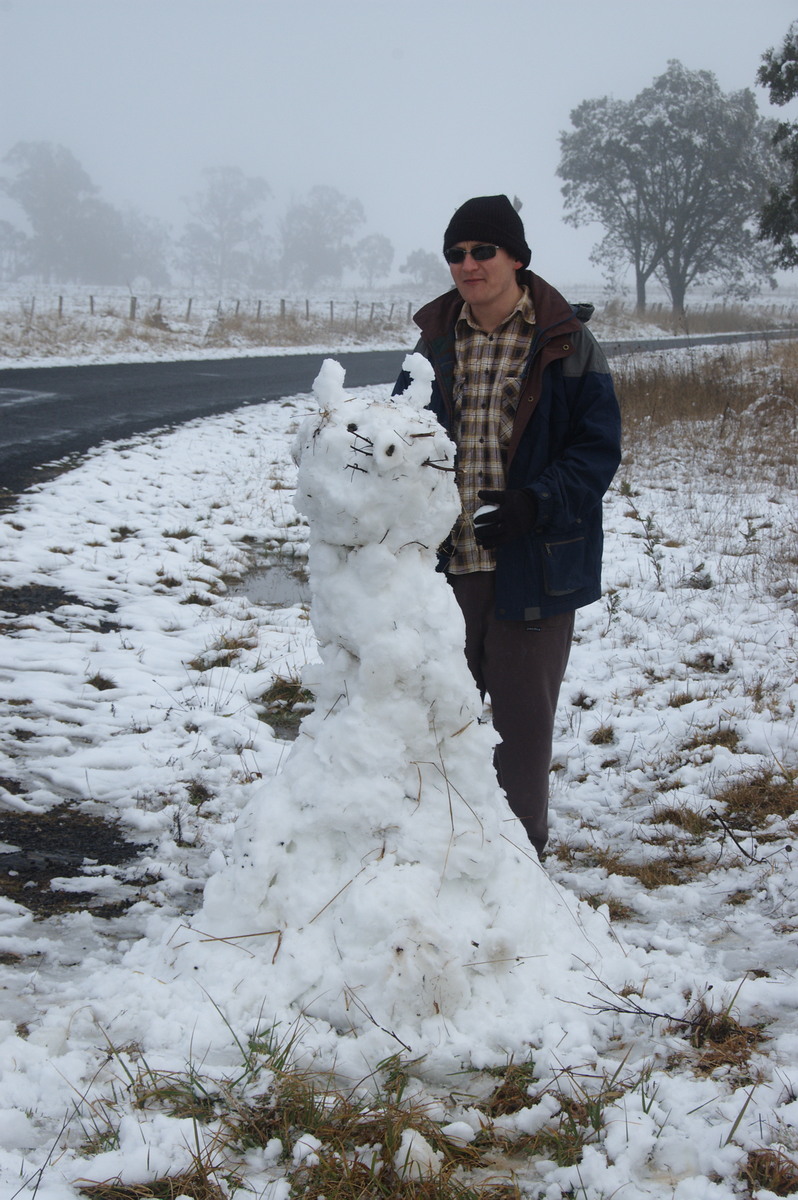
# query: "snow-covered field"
[[674, 797], [54, 326], [51, 325]]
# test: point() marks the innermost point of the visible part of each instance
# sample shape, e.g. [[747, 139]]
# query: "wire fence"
[[185, 309]]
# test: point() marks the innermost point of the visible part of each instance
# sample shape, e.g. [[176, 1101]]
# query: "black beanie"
[[489, 219]]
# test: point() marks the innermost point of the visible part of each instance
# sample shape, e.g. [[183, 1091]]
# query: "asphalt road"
[[49, 413]]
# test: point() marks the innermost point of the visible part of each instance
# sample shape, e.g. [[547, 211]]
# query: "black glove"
[[515, 515]]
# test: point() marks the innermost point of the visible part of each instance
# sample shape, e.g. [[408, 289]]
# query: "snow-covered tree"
[[778, 222], [677, 177]]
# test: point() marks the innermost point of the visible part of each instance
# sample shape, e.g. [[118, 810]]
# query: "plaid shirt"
[[487, 383]]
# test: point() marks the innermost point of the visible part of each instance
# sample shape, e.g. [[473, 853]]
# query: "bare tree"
[[373, 256], [316, 236], [74, 235], [71, 229], [426, 270], [13, 251], [226, 226]]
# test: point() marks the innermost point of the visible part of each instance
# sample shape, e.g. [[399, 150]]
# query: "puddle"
[[36, 598], [37, 848], [279, 585]]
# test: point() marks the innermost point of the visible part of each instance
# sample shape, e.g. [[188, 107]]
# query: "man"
[[525, 393]]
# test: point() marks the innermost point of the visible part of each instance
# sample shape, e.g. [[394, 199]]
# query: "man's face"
[[488, 281]]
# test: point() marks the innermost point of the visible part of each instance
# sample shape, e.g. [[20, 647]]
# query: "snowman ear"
[[421, 376], [328, 386]]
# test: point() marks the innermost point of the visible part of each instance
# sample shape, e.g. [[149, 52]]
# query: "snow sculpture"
[[395, 895]]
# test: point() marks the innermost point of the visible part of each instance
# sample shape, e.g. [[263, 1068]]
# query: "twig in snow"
[[358, 1003]]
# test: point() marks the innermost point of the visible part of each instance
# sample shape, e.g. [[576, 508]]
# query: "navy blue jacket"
[[564, 448]]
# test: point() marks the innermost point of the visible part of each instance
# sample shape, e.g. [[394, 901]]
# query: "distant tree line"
[[72, 235], [690, 184]]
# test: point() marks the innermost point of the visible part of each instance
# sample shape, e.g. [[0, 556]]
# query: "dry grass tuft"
[[655, 391], [197, 598], [715, 736], [513, 1093], [197, 1184], [692, 822], [580, 1121], [749, 803], [707, 662], [296, 329], [284, 703], [101, 682], [361, 1144], [721, 1040], [713, 318], [226, 650], [198, 792], [618, 911], [180, 535], [678, 868], [772, 1170]]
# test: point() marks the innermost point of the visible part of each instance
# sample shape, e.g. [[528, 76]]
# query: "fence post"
[[282, 310], [188, 309], [307, 310], [238, 305], [409, 312], [371, 314], [357, 305], [257, 318], [132, 308], [331, 311], [60, 307], [91, 305]]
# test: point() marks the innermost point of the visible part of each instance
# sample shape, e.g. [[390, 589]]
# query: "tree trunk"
[[640, 306], [676, 286], [678, 291]]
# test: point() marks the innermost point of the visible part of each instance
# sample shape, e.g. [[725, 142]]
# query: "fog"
[[408, 106]]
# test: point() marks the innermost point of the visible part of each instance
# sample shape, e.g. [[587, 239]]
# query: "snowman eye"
[[389, 450], [351, 428]]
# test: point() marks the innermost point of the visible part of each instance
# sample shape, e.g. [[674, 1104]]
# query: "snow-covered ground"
[[49, 326], [140, 696], [55, 326]]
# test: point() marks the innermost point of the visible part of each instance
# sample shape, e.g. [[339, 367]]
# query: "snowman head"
[[375, 470]]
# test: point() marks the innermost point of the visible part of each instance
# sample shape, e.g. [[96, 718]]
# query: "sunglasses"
[[479, 253]]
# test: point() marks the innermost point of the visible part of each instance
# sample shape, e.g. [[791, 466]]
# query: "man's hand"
[[513, 516]]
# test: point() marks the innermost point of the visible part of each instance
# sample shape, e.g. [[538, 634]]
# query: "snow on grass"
[[674, 810]]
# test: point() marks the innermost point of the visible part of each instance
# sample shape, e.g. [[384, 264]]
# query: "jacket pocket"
[[564, 566]]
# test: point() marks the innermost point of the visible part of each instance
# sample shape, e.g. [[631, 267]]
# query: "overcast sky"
[[410, 105]]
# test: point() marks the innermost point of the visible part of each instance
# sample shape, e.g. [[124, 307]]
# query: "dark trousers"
[[520, 665]]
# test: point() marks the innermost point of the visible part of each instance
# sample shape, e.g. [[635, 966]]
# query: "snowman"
[[380, 880]]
